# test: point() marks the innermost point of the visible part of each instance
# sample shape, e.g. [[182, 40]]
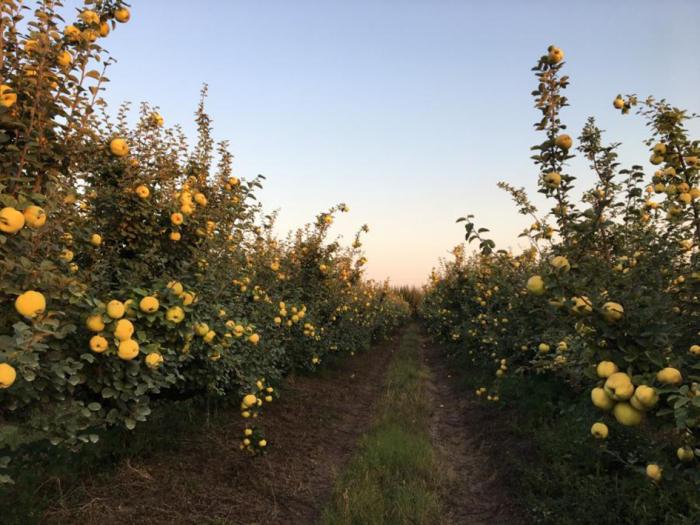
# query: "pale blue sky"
[[409, 111]]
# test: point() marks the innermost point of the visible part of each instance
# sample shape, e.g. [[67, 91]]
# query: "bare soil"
[[467, 440]]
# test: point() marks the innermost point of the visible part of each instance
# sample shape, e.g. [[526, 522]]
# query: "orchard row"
[[606, 298], [135, 269]]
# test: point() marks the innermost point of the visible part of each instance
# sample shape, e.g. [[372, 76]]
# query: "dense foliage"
[[135, 269], [606, 299]]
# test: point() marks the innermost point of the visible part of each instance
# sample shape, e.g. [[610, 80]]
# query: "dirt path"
[[312, 431], [463, 437]]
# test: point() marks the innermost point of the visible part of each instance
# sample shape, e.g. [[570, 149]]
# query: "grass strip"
[[392, 479]]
